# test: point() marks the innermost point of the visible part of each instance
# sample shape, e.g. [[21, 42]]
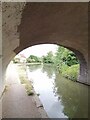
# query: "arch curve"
[[63, 24]]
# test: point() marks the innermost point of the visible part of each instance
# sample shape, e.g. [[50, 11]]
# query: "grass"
[[29, 89], [71, 72], [24, 80]]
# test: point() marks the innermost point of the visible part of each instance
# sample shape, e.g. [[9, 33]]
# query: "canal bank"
[[16, 103]]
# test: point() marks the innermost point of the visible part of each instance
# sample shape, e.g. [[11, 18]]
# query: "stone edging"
[[39, 105]]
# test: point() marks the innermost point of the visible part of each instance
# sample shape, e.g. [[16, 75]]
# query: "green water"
[[61, 98]]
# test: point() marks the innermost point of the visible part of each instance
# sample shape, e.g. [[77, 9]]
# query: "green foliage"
[[63, 67], [65, 56], [58, 57], [70, 59], [71, 72], [48, 58], [67, 63], [33, 59], [64, 59]]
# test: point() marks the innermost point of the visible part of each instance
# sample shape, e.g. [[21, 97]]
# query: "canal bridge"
[[29, 24]]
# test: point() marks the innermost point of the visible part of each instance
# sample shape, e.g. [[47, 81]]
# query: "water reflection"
[[50, 71], [61, 98], [74, 97], [33, 67]]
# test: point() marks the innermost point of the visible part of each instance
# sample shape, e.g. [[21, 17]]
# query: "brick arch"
[[62, 23], [57, 23]]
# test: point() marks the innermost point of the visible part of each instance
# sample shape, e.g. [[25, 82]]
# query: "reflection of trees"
[[49, 69], [33, 67], [74, 97]]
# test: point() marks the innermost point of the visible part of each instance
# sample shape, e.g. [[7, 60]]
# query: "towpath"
[[15, 102]]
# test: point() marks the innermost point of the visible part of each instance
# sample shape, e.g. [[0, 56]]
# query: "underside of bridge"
[[28, 24]]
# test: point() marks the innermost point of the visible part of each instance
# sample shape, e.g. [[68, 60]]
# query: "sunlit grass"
[[71, 72], [24, 80]]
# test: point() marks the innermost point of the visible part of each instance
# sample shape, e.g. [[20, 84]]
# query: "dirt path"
[[16, 103]]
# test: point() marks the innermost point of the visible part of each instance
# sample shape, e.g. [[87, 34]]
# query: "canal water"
[[61, 98]]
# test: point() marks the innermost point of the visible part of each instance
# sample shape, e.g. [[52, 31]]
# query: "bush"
[[71, 72], [63, 67]]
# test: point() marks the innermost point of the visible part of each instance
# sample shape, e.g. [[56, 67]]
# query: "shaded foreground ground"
[[15, 102]]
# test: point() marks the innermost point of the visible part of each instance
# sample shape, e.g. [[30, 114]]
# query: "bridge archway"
[[63, 24]]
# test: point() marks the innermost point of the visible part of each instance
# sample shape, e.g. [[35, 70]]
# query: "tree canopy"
[[65, 56], [33, 58], [48, 58]]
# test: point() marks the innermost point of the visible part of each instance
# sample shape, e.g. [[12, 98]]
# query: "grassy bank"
[[70, 72], [24, 79]]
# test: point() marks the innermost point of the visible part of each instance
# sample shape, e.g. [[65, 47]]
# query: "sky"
[[39, 50]]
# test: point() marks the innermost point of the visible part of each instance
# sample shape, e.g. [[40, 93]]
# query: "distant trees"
[[33, 59], [64, 60], [48, 58]]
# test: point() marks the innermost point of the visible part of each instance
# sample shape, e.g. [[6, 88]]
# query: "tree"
[[48, 58], [71, 59], [33, 58], [67, 63], [65, 56], [58, 57]]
